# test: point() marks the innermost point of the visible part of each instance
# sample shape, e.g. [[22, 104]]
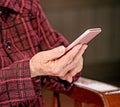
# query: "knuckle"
[[76, 62], [69, 60], [70, 57], [56, 71]]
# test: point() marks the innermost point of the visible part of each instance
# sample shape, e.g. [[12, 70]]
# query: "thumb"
[[55, 53]]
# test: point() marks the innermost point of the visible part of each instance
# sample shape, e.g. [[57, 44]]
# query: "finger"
[[77, 63], [75, 66], [73, 58], [82, 49], [69, 56], [63, 78], [67, 59], [54, 53], [68, 77], [76, 70]]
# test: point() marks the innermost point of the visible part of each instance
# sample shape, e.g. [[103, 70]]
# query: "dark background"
[[73, 17]]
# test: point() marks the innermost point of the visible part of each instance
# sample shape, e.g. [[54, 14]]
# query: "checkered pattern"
[[25, 32]]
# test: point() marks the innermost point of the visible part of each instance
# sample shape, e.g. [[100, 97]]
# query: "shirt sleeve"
[[15, 82]]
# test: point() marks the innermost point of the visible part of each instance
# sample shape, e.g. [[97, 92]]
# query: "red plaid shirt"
[[24, 31]]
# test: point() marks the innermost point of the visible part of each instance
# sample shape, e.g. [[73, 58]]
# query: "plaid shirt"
[[24, 31]]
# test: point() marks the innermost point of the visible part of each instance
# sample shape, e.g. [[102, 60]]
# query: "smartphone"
[[86, 37]]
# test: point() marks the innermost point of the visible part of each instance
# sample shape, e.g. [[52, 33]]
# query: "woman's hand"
[[77, 64], [57, 62]]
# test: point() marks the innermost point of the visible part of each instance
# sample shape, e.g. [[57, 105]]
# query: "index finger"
[[70, 55], [82, 49]]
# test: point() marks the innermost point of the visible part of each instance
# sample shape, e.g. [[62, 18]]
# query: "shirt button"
[[0, 12], [7, 45]]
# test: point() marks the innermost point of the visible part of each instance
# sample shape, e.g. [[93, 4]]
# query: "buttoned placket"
[[0, 16], [7, 44], [0, 13], [0, 22]]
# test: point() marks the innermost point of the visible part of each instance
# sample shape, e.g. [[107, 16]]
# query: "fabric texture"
[[24, 31]]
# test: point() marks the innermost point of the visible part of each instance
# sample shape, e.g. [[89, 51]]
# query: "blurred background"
[[73, 17]]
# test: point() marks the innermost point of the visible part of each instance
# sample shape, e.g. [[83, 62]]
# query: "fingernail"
[[86, 46]]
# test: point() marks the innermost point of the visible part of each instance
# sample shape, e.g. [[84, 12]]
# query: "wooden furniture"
[[91, 93]]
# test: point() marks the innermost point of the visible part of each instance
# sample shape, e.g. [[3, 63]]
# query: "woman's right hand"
[[56, 62]]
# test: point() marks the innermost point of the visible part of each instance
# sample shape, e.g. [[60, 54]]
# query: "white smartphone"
[[86, 37]]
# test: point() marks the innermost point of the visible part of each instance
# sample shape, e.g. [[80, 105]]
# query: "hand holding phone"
[[86, 37]]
